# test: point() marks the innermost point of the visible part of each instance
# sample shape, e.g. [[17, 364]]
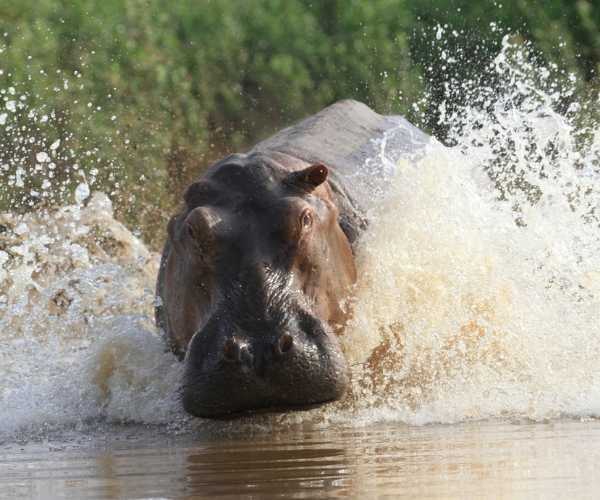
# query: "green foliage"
[[144, 93], [565, 33]]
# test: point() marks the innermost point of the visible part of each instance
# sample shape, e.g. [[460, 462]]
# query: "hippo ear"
[[309, 178], [200, 225]]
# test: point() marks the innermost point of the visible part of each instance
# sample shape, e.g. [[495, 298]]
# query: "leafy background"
[[143, 94]]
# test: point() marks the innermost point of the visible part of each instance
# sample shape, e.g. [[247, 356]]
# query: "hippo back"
[[360, 146]]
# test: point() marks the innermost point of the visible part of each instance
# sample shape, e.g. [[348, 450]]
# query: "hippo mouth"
[[294, 371], [231, 397], [219, 413]]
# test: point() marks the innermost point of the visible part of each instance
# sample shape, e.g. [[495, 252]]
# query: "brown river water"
[[475, 460]]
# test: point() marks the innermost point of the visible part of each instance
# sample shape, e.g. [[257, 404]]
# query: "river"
[[475, 460]]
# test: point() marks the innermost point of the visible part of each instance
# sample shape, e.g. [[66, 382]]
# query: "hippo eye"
[[306, 219]]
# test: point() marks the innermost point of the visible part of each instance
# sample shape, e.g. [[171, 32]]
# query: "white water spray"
[[480, 274], [478, 296]]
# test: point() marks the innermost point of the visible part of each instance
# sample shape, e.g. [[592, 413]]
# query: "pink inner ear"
[[316, 174]]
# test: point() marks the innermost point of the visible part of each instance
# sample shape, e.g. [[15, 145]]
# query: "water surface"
[[474, 460]]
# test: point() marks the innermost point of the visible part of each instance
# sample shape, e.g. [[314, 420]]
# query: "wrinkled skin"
[[254, 282]]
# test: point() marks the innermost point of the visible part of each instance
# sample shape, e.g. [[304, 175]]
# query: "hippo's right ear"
[[196, 229], [200, 224], [308, 178]]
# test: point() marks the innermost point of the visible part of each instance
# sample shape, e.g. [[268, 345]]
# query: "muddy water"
[[476, 460]]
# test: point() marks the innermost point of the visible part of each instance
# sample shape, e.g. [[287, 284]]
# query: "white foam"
[[481, 298], [79, 342], [460, 313]]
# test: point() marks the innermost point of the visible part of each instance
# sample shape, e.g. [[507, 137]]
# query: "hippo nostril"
[[284, 344], [231, 350]]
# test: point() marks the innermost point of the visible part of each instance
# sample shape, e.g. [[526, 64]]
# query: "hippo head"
[[254, 285]]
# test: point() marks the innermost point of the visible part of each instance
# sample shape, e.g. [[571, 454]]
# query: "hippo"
[[258, 268]]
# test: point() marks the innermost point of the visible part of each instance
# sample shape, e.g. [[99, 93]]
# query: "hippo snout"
[[237, 350], [250, 372]]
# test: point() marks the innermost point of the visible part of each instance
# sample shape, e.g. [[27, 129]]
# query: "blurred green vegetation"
[[144, 93]]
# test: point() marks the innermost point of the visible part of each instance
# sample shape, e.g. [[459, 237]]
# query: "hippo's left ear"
[[308, 178]]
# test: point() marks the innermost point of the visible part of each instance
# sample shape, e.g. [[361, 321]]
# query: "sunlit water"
[[478, 299], [475, 460]]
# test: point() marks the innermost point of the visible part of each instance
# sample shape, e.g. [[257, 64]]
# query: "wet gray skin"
[[263, 249], [261, 350]]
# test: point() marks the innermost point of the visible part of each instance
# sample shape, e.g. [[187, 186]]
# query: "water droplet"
[[42, 157], [82, 192]]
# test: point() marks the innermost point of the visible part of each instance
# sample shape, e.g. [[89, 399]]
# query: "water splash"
[[480, 286], [79, 343], [41, 162], [478, 296]]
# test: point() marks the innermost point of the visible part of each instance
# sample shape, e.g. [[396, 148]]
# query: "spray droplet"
[[82, 192], [42, 157], [439, 32], [21, 229]]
